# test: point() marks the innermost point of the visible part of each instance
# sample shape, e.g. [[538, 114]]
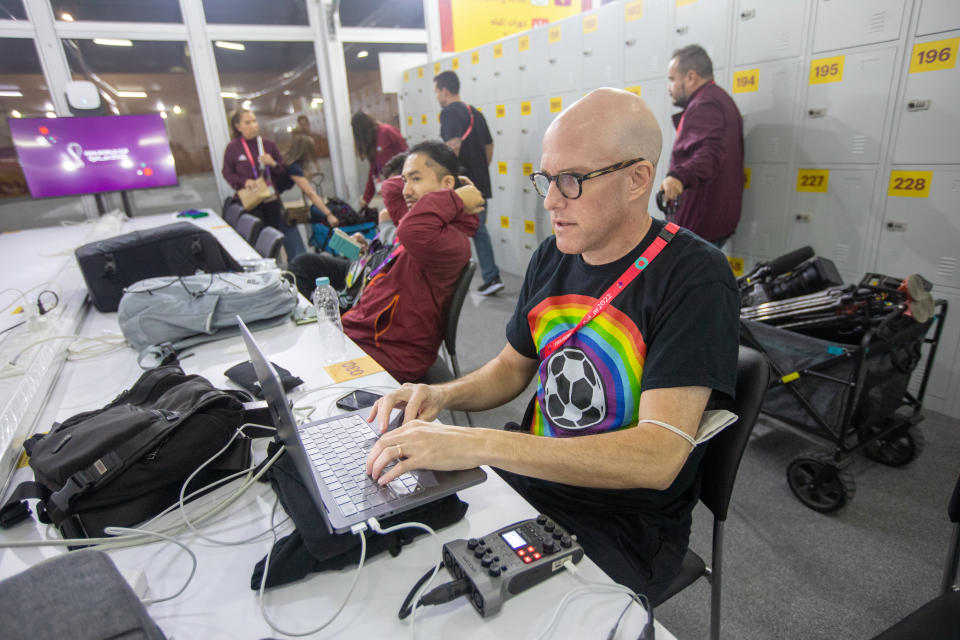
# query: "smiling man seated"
[[661, 311]]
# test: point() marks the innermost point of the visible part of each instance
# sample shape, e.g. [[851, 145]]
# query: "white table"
[[219, 603]]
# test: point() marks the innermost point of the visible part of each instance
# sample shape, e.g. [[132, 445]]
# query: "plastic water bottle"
[[327, 304]]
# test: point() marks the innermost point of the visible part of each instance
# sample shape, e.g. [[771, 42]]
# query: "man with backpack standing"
[[464, 129]]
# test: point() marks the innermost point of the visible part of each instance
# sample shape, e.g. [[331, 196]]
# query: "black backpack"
[[126, 462]]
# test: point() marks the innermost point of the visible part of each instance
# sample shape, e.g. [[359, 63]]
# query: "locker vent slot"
[[783, 41], [858, 145], [946, 267], [843, 252], [877, 22], [773, 146], [917, 377]]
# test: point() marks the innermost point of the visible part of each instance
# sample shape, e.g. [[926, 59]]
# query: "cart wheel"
[[819, 483], [895, 452]]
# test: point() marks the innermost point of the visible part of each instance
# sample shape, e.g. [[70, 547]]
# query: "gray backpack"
[[165, 315]]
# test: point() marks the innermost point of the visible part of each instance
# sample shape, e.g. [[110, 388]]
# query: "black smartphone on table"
[[358, 399]]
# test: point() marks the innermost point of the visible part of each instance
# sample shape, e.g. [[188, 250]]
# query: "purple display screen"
[[69, 156]]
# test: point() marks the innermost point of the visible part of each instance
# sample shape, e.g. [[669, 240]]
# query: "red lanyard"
[[253, 164], [666, 235], [470, 128]]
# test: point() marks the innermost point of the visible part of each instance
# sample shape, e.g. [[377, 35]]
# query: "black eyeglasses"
[[571, 184]]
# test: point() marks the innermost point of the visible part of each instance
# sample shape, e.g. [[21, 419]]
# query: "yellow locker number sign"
[[505, 222], [632, 10], [934, 56], [527, 168], [556, 105], [498, 51], [813, 180], [591, 24], [746, 177], [501, 110], [910, 184], [555, 34], [529, 226], [523, 43], [502, 168], [826, 70], [736, 264], [746, 81], [635, 90]]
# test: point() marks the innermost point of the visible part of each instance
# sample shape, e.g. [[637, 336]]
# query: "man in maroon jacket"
[[707, 161], [399, 319]]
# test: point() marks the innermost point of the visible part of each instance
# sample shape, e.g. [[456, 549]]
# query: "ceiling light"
[[363, 54], [51, 114], [66, 17], [177, 110], [163, 114], [161, 106], [233, 46], [246, 104], [229, 94], [286, 92], [10, 93], [131, 94], [16, 114], [113, 42]]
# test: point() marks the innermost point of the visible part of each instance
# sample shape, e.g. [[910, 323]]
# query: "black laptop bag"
[[126, 462], [178, 249]]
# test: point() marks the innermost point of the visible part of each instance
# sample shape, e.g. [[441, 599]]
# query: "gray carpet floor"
[[790, 572]]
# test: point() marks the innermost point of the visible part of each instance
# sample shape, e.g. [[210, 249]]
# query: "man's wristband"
[[673, 174]]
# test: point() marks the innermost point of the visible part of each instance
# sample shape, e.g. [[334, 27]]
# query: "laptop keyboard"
[[338, 450]]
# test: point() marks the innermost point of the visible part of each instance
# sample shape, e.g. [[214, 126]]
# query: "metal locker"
[[532, 63], [937, 16], [768, 30], [763, 227], [502, 217], [766, 95], [646, 50], [529, 230], [564, 55], [421, 85], [504, 128], [921, 226], [846, 106], [929, 131], [830, 211], [602, 48], [478, 68], [505, 73], [529, 132], [851, 23], [703, 22]]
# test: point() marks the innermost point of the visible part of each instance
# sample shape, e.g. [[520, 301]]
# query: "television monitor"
[[97, 154]]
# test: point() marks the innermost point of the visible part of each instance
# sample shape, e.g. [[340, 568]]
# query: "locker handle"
[[522, 67], [552, 61], [918, 105], [632, 42], [524, 131], [748, 14], [896, 226], [682, 29], [802, 217], [817, 113], [502, 188], [588, 52], [499, 132], [526, 190], [496, 73]]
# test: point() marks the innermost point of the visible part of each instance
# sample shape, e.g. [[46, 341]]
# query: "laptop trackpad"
[[426, 479]]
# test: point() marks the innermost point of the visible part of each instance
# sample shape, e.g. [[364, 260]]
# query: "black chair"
[[718, 471], [269, 243], [440, 371], [232, 212], [249, 228], [938, 619]]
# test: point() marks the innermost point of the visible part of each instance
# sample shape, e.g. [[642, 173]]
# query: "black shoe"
[[490, 287]]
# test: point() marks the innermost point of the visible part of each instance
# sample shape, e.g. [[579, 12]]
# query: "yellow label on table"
[[910, 184], [406, 76], [529, 226], [505, 222], [419, 72], [501, 111], [556, 105], [423, 118], [934, 56], [746, 177], [555, 34], [632, 10], [746, 81], [437, 68], [220, 226], [523, 43], [475, 57], [736, 265], [498, 51], [23, 460], [525, 109], [635, 90], [825, 70], [438, 117], [455, 63], [527, 168], [813, 180], [591, 23], [502, 168], [409, 121], [353, 369]]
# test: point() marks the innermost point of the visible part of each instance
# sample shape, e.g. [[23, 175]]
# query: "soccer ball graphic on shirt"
[[573, 394]]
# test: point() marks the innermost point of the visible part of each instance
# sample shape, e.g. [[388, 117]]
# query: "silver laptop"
[[331, 456]]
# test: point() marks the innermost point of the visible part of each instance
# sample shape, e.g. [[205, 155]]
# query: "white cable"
[[375, 525], [357, 529], [193, 558]]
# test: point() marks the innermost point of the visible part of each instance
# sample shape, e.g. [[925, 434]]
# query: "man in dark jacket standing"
[[706, 165]]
